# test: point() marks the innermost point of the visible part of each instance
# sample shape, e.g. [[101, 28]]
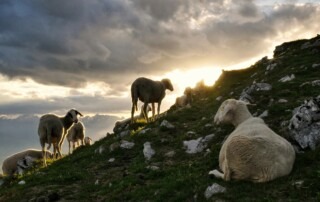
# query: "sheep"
[[75, 134], [53, 129], [87, 141], [252, 151], [185, 99], [17, 163], [148, 91]]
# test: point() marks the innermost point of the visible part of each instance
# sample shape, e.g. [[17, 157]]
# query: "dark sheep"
[[148, 91]]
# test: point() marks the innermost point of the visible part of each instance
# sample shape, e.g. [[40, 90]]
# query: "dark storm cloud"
[[70, 43]]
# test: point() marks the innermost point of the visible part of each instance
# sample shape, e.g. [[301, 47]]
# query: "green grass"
[[184, 177]]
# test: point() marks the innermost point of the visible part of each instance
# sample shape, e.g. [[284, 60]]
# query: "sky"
[[57, 55]]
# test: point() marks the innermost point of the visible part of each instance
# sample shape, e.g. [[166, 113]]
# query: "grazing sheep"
[[148, 91], [75, 134], [53, 129], [252, 151], [17, 163], [185, 99]]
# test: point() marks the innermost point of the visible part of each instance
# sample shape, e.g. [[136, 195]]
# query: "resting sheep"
[[16, 163], [75, 134], [185, 99], [252, 151], [87, 141], [53, 129], [148, 91]]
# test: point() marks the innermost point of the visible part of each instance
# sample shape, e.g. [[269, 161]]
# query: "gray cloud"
[[70, 43]]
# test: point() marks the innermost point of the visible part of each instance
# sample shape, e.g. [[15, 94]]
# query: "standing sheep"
[[16, 163], [75, 134], [148, 91], [53, 129], [252, 151]]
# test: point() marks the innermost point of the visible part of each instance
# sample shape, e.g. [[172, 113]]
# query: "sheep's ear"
[[77, 112]]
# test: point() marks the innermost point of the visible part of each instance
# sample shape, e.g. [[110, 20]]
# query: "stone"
[[191, 133], [124, 133], [153, 168], [312, 83], [298, 184], [114, 146], [270, 67], [148, 152], [144, 131], [126, 144], [22, 182], [287, 78], [246, 93], [96, 182], [100, 149], [214, 189], [166, 124], [208, 125], [282, 101], [315, 65], [219, 98], [1, 182], [111, 160], [198, 145], [170, 154], [304, 125]]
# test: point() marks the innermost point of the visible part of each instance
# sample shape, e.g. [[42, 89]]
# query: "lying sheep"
[[252, 151], [18, 162], [75, 134], [53, 129], [148, 91], [87, 141]]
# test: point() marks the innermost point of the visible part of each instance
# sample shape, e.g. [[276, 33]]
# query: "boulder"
[[126, 144], [148, 152], [198, 145], [166, 125], [214, 189], [304, 125], [246, 93], [287, 78]]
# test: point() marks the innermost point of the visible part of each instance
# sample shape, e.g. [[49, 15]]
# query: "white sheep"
[[18, 162], [53, 129], [87, 141], [75, 134], [252, 151], [185, 99], [148, 91]]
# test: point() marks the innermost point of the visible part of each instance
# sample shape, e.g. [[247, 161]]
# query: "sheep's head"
[[227, 111], [73, 114], [167, 83]]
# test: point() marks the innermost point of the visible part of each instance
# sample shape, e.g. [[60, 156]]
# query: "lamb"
[[148, 91], [17, 163], [53, 129], [75, 134], [185, 99], [87, 141], [252, 151]]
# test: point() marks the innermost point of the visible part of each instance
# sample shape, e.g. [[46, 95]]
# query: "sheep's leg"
[[132, 113], [74, 146], [153, 111], [42, 142], [134, 108], [145, 111], [55, 150], [158, 111], [217, 174], [69, 146], [82, 141], [59, 150]]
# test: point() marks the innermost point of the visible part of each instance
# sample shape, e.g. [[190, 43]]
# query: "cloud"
[[73, 43]]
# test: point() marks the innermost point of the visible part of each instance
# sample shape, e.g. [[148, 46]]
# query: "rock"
[[315, 65], [22, 182], [304, 125], [264, 114], [114, 146], [219, 98], [298, 184], [270, 67], [246, 93], [191, 133], [100, 150], [166, 124], [124, 133], [126, 145], [144, 131], [1, 182], [198, 145], [153, 167], [111, 160], [282, 101], [203, 118], [96, 182], [214, 189], [208, 125], [287, 78], [312, 83], [148, 152], [170, 154], [305, 45]]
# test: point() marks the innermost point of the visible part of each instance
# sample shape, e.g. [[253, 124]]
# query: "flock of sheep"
[[251, 152]]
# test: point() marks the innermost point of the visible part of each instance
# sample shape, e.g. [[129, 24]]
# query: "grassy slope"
[[184, 177]]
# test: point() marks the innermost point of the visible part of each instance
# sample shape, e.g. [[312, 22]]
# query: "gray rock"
[[198, 145], [270, 67], [191, 133], [304, 125], [126, 145], [114, 146], [153, 168], [170, 154], [298, 184], [264, 114], [22, 182], [282, 101], [124, 133], [100, 150], [1, 182], [208, 125], [312, 83], [148, 152], [315, 65], [144, 131], [214, 189], [287, 78], [246, 93], [111, 160], [305, 45], [219, 98], [166, 124]]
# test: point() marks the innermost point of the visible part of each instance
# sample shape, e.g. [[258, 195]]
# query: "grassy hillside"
[[87, 175]]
